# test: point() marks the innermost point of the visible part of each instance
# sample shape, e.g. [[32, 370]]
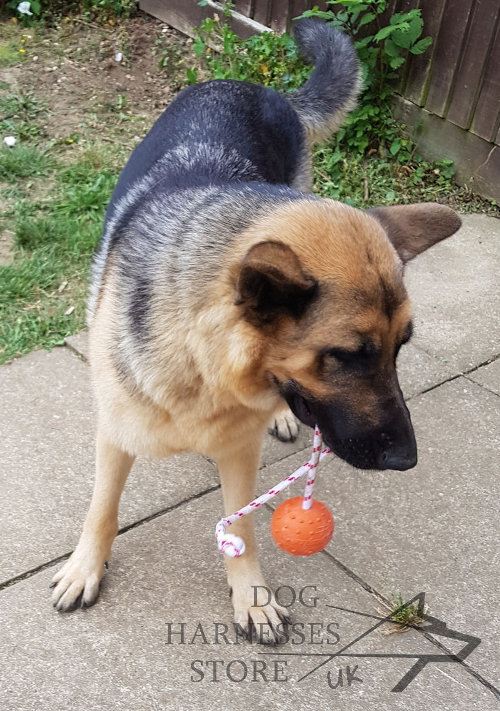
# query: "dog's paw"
[[284, 426], [76, 584], [264, 622]]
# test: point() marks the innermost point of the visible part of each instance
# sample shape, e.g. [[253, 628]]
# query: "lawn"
[[76, 114], [77, 96]]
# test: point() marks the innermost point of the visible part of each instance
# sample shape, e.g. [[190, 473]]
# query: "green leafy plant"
[[268, 59], [57, 9], [403, 616], [22, 106], [27, 12], [382, 50], [116, 8]]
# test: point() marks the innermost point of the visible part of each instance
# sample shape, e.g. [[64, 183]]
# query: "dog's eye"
[[363, 353], [341, 354]]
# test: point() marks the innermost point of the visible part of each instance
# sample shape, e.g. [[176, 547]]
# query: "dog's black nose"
[[399, 458]]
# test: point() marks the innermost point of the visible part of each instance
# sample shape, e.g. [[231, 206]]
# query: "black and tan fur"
[[222, 290]]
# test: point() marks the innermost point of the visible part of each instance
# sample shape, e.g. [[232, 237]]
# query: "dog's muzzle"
[[390, 447]]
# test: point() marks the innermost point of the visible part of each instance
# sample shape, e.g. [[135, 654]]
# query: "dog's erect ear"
[[414, 228], [271, 282]]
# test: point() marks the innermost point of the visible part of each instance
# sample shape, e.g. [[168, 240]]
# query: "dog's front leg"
[[255, 609], [77, 583]]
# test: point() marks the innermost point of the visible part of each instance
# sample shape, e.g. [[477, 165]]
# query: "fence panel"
[[448, 48], [487, 114], [470, 68], [417, 82]]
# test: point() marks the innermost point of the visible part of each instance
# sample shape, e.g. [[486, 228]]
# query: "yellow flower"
[[22, 50], [264, 69]]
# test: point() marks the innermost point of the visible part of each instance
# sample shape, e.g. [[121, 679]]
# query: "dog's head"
[[323, 286]]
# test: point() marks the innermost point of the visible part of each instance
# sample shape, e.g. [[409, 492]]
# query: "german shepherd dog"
[[224, 293]]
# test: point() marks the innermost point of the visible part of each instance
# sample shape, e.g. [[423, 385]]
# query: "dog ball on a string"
[[300, 526], [302, 531]]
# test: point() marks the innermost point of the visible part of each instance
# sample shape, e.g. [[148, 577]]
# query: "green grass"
[[20, 116], [43, 290], [9, 54], [32, 312], [86, 187], [24, 161], [22, 105]]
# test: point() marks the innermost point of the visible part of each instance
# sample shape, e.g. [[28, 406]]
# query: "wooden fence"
[[449, 96]]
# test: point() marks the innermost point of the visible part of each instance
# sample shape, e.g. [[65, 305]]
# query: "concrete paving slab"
[[273, 450], [434, 528], [488, 376], [419, 371], [47, 463], [127, 652], [455, 292]]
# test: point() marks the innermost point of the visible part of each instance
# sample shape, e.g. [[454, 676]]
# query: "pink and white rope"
[[234, 546]]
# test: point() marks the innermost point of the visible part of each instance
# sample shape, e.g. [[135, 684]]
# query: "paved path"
[[150, 642]]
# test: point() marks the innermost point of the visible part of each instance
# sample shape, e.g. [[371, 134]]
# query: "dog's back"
[[233, 133], [265, 132], [216, 133]]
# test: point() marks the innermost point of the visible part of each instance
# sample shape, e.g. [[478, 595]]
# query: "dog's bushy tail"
[[326, 98]]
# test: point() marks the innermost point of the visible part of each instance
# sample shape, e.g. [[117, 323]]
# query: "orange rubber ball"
[[299, 531]]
